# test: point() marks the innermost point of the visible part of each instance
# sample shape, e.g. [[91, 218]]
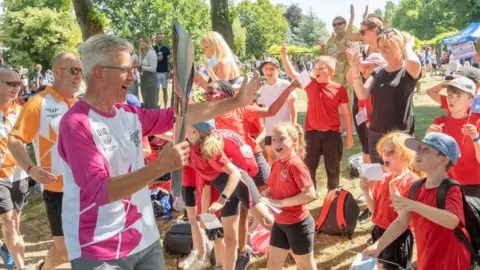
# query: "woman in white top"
[[148, 78]]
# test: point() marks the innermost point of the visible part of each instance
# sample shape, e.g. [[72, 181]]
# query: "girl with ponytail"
[[224, 160], [290, 188]]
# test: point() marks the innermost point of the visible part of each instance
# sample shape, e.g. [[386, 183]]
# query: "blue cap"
[[206, 127], [132, 100], [443, 143]]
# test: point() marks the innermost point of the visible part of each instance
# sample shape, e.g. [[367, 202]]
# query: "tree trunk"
[[221, 21], [82, 11]]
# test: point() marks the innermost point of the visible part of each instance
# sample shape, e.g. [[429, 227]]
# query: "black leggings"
[[245, 192]]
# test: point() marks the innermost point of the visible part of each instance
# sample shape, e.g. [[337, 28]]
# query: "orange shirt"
[[384, 214], [39, 122], [324, 100], [9, 171]]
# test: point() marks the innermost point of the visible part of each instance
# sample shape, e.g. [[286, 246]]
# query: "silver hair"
[[4, 71], [98, 51]]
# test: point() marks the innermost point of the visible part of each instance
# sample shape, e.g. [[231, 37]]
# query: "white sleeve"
[[152, 62]]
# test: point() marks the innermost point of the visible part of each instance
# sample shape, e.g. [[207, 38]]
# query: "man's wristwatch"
[[476, 139], [223, 196]]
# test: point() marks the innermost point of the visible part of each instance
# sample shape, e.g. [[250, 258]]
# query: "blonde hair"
[[221, 48], [38, 67], [295, 132], [149, 45], [394, 37], [398, 138], [327, 60], [210, 144]]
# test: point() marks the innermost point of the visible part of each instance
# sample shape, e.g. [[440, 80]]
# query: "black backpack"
[[339, 214], [178, 240], [471, 209]]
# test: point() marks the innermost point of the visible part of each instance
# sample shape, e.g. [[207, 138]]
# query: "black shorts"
[[373, 139], [268, 140], [189, 195], [53, 207], [245, 192], [263, 170], [362, 130], [13, 195], [399, 251], [299, 236]]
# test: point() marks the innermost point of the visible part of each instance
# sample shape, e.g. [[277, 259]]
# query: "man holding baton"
[[107, 215]]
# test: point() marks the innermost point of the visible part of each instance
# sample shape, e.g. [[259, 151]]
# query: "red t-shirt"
[[287, 180], [384, 214], [324, 100], [214, 195], [235, 150], [189, 178], [367, 104], [235, 121], [253, 129], [437, 246], [467, 169]]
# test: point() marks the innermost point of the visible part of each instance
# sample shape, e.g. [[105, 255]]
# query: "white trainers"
[[189, 260], [201, 264]]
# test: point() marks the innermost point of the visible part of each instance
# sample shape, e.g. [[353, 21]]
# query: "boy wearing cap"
[[268, 94], [434, 93], [322, 123], [463, 127], [437, 245]]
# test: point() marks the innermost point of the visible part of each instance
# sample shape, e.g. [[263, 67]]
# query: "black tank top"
[[392, 101]]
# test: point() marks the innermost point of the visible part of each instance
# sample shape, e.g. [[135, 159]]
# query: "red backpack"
[[339, 214]]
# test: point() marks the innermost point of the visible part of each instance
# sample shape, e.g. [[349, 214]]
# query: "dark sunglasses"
[[13, 84], [337, 24], [73, 70], [364, 32]]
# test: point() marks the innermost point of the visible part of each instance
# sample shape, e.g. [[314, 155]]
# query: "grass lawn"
[[330, 252]]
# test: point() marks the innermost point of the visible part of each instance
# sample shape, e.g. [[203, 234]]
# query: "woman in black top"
[[391, 87]]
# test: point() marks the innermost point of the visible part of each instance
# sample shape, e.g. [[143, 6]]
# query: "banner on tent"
[[464, 50]]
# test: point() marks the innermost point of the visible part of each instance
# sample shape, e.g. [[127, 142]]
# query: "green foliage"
[[295, 49], [131, 18], [44, 33], [240, 37], [265, 25], [427, 19], [311, 29], [294, 15], [438, 38], [18, 5]]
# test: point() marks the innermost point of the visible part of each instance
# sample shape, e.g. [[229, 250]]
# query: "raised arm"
[[412, 63], [361, 90], [434, 93], [278, 103], [291, 73], [350, 35]]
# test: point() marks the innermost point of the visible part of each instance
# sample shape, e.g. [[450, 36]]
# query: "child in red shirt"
[[437, 245], [397, 159], [322, 123], [290, 188], [463, 127], [222, 158]]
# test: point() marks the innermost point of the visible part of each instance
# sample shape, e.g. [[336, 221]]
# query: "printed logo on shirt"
[[52, 110], [135, 137], [107, 141], [283, 175]]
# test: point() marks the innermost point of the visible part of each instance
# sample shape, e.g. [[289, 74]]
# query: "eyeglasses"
[[338, 24], [364, 32], [124, 70], [73, 70], [13, 84]]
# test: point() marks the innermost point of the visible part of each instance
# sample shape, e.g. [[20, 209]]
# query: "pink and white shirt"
[[96, 146]]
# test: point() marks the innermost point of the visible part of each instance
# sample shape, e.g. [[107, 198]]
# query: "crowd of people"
[[245, 152]]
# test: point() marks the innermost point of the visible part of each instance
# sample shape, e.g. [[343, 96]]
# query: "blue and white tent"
[[471, 33]]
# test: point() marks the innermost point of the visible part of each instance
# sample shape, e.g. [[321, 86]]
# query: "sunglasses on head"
[[389, 31], [13, 84], [337, 24], [73, 70]]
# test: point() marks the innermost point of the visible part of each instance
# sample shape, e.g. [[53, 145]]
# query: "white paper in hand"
[[304, 78], [211, 221], [289, 36], [271, 206], [363, 263], [361, 117], [373, 172]]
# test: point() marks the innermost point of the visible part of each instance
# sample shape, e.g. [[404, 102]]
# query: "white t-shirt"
[[268, 95]]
